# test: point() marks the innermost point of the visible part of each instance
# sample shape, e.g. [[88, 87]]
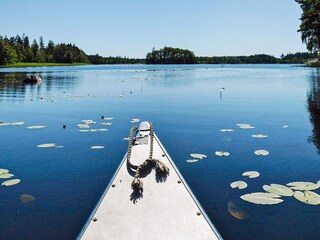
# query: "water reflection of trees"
[[314, 107], [12, 88]]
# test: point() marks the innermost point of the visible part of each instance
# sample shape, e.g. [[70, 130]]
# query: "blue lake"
[[188, 105]]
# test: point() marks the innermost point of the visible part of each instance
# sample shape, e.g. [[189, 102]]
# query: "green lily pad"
[[11, 182], [239, 185], [278, 189], [6, 175], [261, 152], [47, 145], [251, 174], [36, 127], [3, 171], [192, 160], [259, 136], [262, 198], [222, 154], [198, 155], [97, 147], [226, 130], [303, 186]]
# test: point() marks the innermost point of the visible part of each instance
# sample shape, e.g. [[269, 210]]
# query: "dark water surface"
[[187, 110]]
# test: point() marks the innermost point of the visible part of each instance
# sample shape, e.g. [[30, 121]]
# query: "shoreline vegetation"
[[18, 52]]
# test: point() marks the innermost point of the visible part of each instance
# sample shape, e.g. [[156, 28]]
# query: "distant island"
[[18, 51]]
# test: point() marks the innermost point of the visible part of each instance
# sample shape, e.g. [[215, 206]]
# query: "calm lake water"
[[188, 105]]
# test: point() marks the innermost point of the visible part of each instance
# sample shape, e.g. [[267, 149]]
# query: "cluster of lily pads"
[[4, 174], [301, 191]]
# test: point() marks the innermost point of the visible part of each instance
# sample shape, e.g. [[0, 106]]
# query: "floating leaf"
[[59, 147], [97, 147], [88, 122], [239, 184], [6, 175], [17, 123], [235, 211], [135, 120], [102, 130], [303, 186], [3, 171], [108, 118], [198, 155], [26, 198], [84, 130], [36, 127], [47, 145], [106, 124], [3, 124], [226, 130], [307, 197], [251, 174], [285, 126], [11, 182], [262, 198], [278, 189], [192, 160], [83, 126], [261, 152], [222, 154], [245, 126], [126, 138], [259, 136]]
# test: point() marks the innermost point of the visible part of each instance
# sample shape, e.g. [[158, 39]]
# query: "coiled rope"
[[161, 168]]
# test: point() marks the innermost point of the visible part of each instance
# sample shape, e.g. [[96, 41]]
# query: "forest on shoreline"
[[19, 51]]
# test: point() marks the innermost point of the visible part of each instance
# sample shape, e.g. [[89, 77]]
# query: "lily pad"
[[97, 147], [245, 126], [135, 120], [26, 198], [88, 122], [198, 155], [226, 130], [59, 147], [11, 182], [251, 174], [285, 126], [6, 175], [36, 127], [126, 139], [3, 171], [108, 118], [262, 198], [83, 125], [102, 130], [239, 184], [84, 130], [278, 189], [47, 145], [106, 124], [192, 160], [261, 152], [303, 186], [307, 197], [222, 154], [17, 123], [259, 136]]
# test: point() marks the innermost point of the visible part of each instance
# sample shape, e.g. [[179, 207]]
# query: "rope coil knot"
[[160, 167]]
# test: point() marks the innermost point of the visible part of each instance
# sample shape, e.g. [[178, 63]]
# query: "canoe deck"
[[167, 209]]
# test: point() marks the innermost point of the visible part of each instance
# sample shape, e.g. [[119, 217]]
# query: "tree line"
[[290, 58], [19, 49]]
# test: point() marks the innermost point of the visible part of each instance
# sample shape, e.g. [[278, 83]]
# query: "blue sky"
[[132, 27]]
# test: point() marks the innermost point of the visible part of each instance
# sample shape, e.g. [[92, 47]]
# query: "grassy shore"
[[35, 64]]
